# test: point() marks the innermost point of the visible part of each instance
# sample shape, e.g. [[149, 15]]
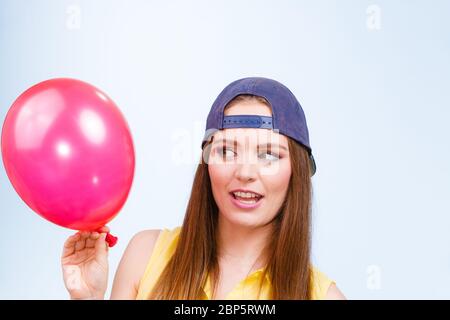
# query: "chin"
[[243, 219]]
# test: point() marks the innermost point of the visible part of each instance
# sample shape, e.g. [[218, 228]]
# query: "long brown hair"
[[288, 250]]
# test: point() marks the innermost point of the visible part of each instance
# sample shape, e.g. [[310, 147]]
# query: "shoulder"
[[141, 246], [143, 239], [323, 287], [334, 293], [133, 262], [143, 243]]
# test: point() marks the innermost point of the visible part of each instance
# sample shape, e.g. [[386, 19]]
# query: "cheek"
[[277, 184], [220, 177]]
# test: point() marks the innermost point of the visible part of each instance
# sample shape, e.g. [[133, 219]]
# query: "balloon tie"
[[110, 239]]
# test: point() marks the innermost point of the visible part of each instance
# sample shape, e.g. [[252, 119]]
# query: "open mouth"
[[246, 198]]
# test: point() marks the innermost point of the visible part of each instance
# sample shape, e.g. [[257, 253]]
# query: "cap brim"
[[313, 164]]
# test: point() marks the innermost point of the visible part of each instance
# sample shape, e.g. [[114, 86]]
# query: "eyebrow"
[[235, 142]]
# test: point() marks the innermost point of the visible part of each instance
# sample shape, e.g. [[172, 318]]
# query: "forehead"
[[251, 106]]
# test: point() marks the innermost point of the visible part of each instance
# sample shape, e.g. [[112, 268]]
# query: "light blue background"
[[377, 104]]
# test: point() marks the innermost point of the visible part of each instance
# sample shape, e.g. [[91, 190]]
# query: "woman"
[[246, 233]]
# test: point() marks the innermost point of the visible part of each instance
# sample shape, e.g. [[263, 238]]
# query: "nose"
[[246, 172]]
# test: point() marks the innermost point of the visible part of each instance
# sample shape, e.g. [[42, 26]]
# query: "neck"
[[242, 244]]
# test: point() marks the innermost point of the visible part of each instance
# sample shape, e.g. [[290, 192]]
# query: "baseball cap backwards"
[[287, 114]]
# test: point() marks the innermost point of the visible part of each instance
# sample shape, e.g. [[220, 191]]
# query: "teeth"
[[248, 201], [248, 195]]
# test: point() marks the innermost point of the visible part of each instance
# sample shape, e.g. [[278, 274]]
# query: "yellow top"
[[247, 289]]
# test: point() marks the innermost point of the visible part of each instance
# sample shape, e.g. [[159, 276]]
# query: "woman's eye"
[[270, 156], [225, 152]]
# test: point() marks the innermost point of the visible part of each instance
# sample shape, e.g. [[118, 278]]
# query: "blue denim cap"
[[287, 114]]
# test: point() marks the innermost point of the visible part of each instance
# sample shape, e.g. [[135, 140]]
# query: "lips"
[[246, 199]]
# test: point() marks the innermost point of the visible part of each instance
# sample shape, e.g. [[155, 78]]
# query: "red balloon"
[[69, 154]]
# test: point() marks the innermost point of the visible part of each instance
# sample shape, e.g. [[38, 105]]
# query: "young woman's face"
[[249, 169]]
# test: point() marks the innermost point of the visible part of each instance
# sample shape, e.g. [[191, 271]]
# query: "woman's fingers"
[[103, 229], [101, 246], [84, 239], [90, 242], [69, 245], [81, 243], [70, 242], [94, 235]]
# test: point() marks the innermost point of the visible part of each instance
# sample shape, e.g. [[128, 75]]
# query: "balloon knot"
[[111, 240]]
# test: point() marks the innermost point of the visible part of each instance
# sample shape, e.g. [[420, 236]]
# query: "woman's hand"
[[84, 263]]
